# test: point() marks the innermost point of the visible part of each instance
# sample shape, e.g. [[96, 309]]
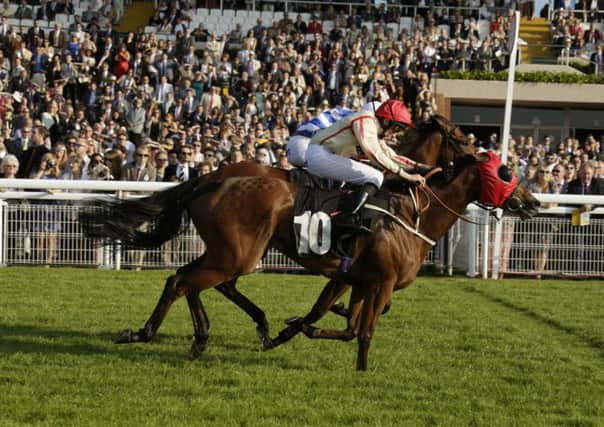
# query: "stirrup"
[[360, 202]]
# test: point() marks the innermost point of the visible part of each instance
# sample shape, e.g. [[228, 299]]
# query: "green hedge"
[[534, 77]]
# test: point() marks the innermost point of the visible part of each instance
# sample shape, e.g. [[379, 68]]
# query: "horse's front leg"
[[172, 291], [230, 291], [325, 303], [355, 306], [375, 300]]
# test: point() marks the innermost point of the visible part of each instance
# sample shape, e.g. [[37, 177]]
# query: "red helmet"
[[396, 111]]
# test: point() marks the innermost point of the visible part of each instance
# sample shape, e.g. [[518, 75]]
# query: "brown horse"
[[241, 217], [436, 142]]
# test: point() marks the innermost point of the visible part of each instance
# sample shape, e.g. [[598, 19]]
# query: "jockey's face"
[[389, 128]]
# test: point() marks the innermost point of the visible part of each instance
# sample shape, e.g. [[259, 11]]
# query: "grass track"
[[450, 352]]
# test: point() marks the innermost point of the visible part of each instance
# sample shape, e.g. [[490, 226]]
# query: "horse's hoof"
[[125, 337], [293, 321], [262, 332], [197, 350], [267, 344], [309, 331], [387, 308], [340, 309]]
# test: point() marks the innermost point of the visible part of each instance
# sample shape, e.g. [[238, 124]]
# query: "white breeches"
[[296, 150], [324, 164]]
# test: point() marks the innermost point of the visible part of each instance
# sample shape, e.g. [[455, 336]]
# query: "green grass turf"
[[452, 351]]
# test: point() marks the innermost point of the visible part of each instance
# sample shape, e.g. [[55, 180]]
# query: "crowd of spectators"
[[555, 167], [577, 36], [83, 103]]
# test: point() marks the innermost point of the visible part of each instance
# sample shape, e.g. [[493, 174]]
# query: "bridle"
[[451, 140]]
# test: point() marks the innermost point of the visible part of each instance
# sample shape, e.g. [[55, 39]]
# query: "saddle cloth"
[[319, 226]]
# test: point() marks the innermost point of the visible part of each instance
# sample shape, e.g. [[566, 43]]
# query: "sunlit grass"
[[452, 351]]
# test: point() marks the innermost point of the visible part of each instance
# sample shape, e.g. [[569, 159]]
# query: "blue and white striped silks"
[[322, 121]]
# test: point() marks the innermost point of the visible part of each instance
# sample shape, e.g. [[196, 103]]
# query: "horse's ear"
[[480, 156], [442, 122]]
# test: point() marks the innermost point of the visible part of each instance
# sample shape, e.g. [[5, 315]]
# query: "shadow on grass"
[[31, 339], [592, 342]]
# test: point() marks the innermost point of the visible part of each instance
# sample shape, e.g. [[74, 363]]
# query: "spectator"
[[49, 219], [140, 169], [586, 184], [184, 168], [9, 167]]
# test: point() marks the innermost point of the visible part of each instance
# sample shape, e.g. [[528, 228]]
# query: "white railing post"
[[3, 233], [472, 270], [485, 245], [106, 257], [117, 247], [117, 254]]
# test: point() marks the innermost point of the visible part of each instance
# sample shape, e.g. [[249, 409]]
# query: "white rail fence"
[[39, 228]]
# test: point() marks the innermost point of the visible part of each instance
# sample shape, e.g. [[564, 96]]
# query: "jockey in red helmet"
[[328, 154]]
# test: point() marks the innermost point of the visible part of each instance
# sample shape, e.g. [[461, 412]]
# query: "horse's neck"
[[423, 150], [457, 195]]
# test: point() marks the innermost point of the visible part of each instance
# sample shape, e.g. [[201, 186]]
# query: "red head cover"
[[495, 190], [396, 111]]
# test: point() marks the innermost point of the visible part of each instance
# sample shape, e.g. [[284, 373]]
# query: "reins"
[[463, 217], [419, 210]]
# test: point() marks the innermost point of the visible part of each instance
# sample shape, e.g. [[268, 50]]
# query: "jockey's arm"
[[365, 129]]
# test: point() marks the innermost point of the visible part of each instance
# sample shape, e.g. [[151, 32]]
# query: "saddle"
[[321, 224]]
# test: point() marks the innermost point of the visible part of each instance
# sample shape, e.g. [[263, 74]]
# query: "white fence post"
[[471, 230], [3, 234], [485, 245]]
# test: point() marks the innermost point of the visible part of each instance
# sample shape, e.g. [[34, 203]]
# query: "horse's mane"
[[414, 135]]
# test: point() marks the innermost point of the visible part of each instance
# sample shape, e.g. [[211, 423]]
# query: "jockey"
[[298, 143], [329, 150]]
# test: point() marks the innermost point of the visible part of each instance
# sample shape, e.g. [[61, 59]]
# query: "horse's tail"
[[146, 222]]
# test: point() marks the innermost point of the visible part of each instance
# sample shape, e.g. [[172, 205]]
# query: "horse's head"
[[437, 142], [500, 188]]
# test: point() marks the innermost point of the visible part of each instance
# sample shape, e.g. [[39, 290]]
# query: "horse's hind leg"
[[201, 324], [229, 290], [172, 291]]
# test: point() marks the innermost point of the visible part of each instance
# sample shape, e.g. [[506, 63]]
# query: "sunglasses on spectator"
[[187, 153], [141, 155], [542, 171], [161, 159], [556, 171]]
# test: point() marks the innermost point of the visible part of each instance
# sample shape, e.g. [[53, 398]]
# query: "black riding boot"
[[362, 196]]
